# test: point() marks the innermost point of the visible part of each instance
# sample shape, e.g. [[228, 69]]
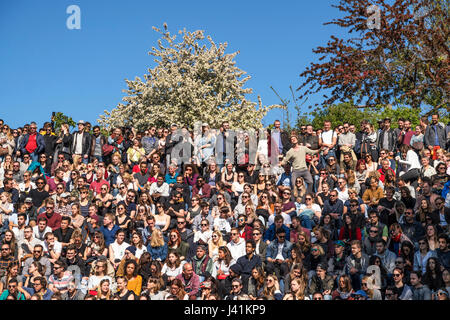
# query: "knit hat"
[[236, 268], [132, 249]]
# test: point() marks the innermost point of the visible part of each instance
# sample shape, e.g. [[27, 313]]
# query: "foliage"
[[193, 80], [60, 118], [405, 61], [347, 112]]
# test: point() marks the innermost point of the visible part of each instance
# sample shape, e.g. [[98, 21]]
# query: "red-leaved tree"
[[400, 58]]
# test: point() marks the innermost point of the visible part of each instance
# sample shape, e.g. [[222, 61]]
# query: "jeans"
[[323, 159], [306, 222], [306, 175], [34, 157]]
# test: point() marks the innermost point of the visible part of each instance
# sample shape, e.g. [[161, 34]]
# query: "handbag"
[[107, 149]]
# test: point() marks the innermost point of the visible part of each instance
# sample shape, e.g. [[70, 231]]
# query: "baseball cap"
[[204, 124], [360, 293], [28, 200], [81, 122]]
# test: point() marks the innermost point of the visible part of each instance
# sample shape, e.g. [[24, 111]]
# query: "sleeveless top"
[[127, 295]]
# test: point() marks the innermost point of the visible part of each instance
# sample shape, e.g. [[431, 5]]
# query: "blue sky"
[[46, 67]]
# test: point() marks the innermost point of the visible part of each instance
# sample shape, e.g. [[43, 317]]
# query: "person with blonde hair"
[[157, 247], [215, 243], [271, 290]]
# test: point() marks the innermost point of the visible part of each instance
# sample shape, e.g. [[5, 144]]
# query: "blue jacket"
[[272, 249], [39, 142], [158, 252], [270, 233]]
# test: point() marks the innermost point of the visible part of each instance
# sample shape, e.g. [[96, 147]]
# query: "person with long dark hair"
[[433, 275], [349, 230]]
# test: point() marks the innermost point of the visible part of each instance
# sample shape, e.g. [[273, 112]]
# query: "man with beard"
[[38, 255], [387, 137], [435, 137], [369, 243], [309, 140], [411, 227], [374, 221]]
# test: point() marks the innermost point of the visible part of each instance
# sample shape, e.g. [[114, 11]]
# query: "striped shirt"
[[63, 283]]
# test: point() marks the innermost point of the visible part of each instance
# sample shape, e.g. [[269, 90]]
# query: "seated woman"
[[373, 194], [349, 230], [157, 247]]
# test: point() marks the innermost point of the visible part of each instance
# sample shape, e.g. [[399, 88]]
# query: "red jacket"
[[358, 234], [383, 175]]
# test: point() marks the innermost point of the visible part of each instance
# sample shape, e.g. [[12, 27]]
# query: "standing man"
[[327, 143], [32, 143], [98, 140], [280, 138], [297, 154], [81, 143], [309, 140], [387, 138], [346, 143], [406, 134], [435, 137], [150, 142]]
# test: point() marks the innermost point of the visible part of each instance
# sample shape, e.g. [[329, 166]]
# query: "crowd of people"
[[342, 213]]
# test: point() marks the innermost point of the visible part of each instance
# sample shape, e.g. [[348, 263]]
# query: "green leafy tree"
[[60, 118]]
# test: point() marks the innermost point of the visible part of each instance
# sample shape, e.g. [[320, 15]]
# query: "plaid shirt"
[[5, 263]]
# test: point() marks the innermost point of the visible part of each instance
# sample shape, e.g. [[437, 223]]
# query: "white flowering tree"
[[193, 81]]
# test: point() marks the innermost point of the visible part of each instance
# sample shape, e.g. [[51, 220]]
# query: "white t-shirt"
[[286, 219], [163, 189], [40, 235], [221, 224], [79, 143], [139, 252], [237, 249], [327, 136], [280, 251], [172, 272], [57, 247], [119, 249], [314, 207]]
